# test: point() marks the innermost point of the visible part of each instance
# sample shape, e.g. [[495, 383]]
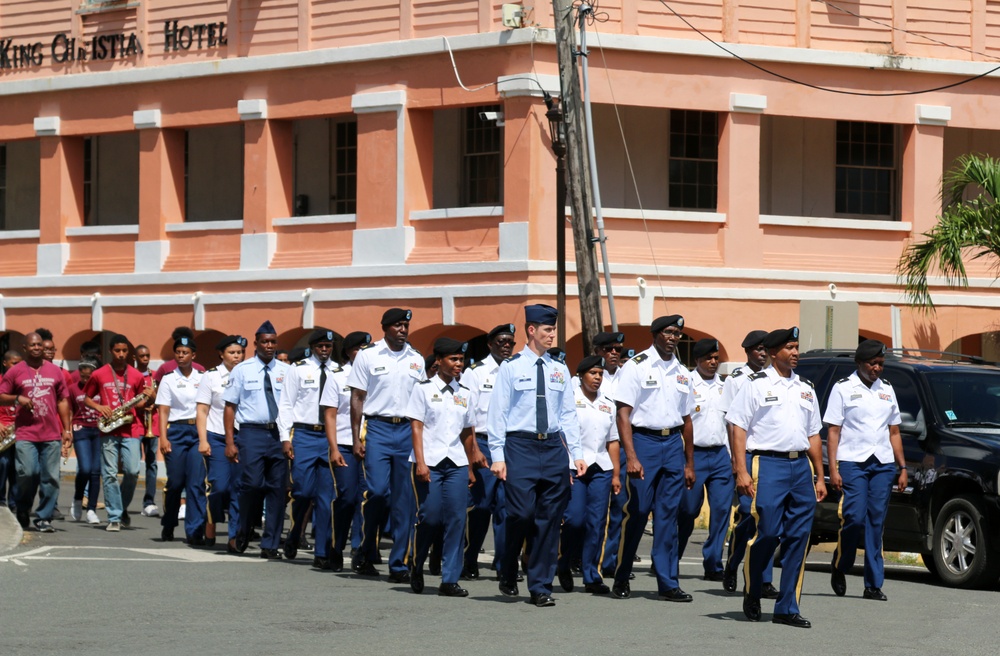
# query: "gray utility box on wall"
[[828, 324]]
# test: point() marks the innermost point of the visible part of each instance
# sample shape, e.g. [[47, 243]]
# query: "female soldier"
[[87, 444], [175, 400], [223, 475], [442, 418], [586, 517], [862, 443]]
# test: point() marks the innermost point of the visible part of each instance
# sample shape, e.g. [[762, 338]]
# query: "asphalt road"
[[86, 591]]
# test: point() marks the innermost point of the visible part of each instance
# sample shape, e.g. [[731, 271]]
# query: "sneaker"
[[180, 513], [57, 515], [126, 520], [92, 517], [151, 511], [44, 526], [114, 526], [76, 510]]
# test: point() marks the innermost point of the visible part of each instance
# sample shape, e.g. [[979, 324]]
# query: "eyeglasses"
[[505, 342], [616, 349], [672, 334]]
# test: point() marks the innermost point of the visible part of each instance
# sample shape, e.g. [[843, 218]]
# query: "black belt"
[[663, 432], [788, 455], [311, 427], [386, 420], [189, 422], [526, 435], [268, 426], [482, 436], [709, 448]]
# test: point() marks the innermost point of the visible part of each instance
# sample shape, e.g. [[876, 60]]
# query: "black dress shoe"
[[566, 579], [167, 534], [196, 541], [471, 573], [675, 594], [452, 590], [304, 545], [241, 542], [838, 582], [791, 619], [321, 563], [417, 580], [576, 567], [621, 590], [270, 554], [377, 560], [209, 542], [597, 588], [519, 578], [542, 600], [874, 593], [768, 591], [751, 608], [434, 563], [337, 561], [508, 589], [714, 576], [729, 581], [291, 548], [364, 568], [636, 559], [399, 577]]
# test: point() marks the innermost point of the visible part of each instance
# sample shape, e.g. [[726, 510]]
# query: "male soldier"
[[713, 469], [776, 422], [381, 381], [655, 399], [255, 387], [486, 497], [306, 442], [743, 524], [531, 411]]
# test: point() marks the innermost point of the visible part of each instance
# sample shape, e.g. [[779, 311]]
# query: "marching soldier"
[[252, 397], [779, 462], [713, 469], [310, 447], [381, 381], [531, 412], [486, 497]]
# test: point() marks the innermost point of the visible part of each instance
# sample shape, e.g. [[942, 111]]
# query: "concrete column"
[[923, 165], [268, 164], [739, 182], [61, 205], [161, 189]]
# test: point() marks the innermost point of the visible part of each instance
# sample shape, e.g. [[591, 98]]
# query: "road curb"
[[11, 533]]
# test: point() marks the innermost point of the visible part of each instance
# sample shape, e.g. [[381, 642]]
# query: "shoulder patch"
[[424, 382], [736, 373], [642, 357], [212, 369], [299, 363], [513, 357], [807, 382], [758, 375], [475, 364], [367, 346], [886, 383], [842, 380], [461, 386], [337, 369]]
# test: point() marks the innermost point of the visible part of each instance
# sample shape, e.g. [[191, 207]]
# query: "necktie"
[[272, 405], [322, 384], [541, 411]]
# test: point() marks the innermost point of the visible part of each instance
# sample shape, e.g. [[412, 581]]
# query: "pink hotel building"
[[214, 163]]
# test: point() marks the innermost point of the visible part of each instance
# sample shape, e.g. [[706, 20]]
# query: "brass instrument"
[[6, 437], [121, 416], [148, 415]]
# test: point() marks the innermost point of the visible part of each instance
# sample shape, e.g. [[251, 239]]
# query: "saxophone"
[[120, 416], [6, 437]]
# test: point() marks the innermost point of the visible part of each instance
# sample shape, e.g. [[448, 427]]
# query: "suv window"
[[966, 397], [905, 387]]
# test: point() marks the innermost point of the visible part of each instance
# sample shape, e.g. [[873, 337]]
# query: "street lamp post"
[[555, 118]]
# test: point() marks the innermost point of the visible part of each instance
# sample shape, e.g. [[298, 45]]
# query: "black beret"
[[444, 346], [780, 337], [704, 346], [606, 339], [320, 335], [395, 315], [185, 341], [299, 353], [753, 339], [557, 354], [229, 340], [664, 322], [589, 363], [357, 338], [502, 329], [869, 349], [429, 363]]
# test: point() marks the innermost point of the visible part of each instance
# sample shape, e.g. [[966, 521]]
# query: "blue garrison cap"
[[543, 314], [266, 328]]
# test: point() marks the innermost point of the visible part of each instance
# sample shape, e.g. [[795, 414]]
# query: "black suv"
[[950, 511]]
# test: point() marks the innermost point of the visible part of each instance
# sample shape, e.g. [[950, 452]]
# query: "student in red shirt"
[[87, 444], [150, 438], [115, 385], [38, 390], [8, 473]]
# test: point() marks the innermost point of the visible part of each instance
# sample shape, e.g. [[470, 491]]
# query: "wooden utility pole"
[[578, 174]]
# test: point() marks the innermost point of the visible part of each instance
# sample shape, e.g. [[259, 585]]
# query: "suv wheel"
[[963, 556]]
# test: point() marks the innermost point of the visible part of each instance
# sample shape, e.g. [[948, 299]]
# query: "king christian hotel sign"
[[64, 48]]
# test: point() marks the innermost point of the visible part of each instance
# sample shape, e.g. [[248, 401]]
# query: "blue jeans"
[[150, 447], [37, 466], [8, 479], [117, 498], [87, 444]]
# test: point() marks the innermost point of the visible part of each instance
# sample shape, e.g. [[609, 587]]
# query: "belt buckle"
[[541, 436], [396, 420], [792, 455], [665, 432]]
